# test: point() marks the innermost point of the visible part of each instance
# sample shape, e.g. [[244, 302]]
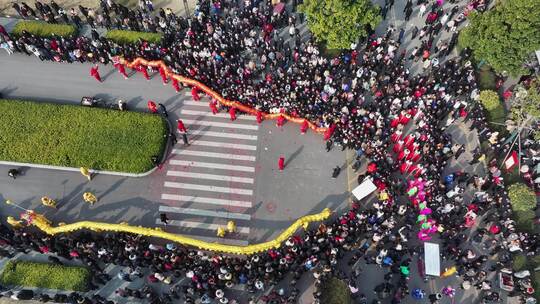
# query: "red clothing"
[[304, 127], [121, 70], [195, 93], [232, 113], [181, 126], [95, 73], [143, 70], [163, 75], [259, 117], [329, 132], [152, 106], [280, 121], [213, 107], [175, 85], [281, 163]]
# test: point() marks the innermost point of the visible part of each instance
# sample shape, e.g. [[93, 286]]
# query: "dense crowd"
[[396, 122]]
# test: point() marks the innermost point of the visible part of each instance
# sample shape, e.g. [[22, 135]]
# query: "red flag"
[[511, 161]]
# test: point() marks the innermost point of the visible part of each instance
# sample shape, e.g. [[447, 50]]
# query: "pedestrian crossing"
[[211, 181]]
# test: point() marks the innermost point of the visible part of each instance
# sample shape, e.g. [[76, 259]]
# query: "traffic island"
[[43, 275], [335, 291], [76, 136]]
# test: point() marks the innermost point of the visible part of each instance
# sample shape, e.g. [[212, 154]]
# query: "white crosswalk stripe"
[[211, 181], [221, 134], [206, 200], [223, 145], [214, 155], [224, 178], [230, 125], [220, 115], [211, 165]]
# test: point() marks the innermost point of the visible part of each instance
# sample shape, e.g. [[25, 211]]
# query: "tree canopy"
[[525, 109], [505, 36], [338, 23]]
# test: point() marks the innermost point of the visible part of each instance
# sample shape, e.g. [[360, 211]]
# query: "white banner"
[[432, 259], [364, 189]]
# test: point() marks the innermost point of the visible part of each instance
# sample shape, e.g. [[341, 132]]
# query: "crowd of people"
[[395, 121]]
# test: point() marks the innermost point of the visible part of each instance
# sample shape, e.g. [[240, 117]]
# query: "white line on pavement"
[[209, 188], [221, 134], [224, 241], [206, 213], [214, 155], [223, 145], [199, 225], [195, 103], [211, 165], [225, 178], [231, 125], [220, 115], [206, 200]]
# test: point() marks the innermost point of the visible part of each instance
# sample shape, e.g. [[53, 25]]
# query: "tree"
[[525, 111], [338, 23], [505, 36], [522, 198]]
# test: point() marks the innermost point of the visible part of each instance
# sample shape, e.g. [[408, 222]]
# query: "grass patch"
[[43, 29], [126, 37], [335, 291], [76, 136], [31, 274]]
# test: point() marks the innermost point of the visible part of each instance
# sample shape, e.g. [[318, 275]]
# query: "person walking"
[[175, 85], [232, 113], [185, 138], [163, 75], [152, 107], [181, 126], [86, 173], [281, 163], [164, 219], [95, 73], [304, 127], [195, 93], [13, 173], [213, 106], [89, 198]]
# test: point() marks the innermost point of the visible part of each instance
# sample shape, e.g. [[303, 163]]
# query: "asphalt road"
[[274, 199]]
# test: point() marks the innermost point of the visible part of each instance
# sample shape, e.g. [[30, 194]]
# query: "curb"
[[71, 169]]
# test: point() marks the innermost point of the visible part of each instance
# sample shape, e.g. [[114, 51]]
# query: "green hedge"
[[124, 37], [77, 136], [43, 29], [31, 274]]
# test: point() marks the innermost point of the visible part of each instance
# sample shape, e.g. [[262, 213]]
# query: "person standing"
[[163, 218], [175, 85], [13, 173], [95, 73], [281, 163], [121, 70], [152, 107], [181, 126], [195, 93], [86, 173], [304, 127], [232, 113], [163, 110], [213, 106], [185, 138], [163, 75], [259, 117]]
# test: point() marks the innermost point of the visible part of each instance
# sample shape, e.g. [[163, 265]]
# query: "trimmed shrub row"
[[76, 136], [44, 29], [42, 275], [125, 37]]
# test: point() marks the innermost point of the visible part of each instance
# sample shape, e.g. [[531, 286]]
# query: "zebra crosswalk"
[[211, 181]]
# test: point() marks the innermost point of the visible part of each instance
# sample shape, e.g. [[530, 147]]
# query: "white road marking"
[[214, 155], [219, 124], [199, 225], [220, 115], [206, 200], [221, 134], [225, 178], [206, 213], [209, 188], [218, 144], [211, 165]]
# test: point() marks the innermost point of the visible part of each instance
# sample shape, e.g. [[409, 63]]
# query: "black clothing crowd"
[[236, 49]]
